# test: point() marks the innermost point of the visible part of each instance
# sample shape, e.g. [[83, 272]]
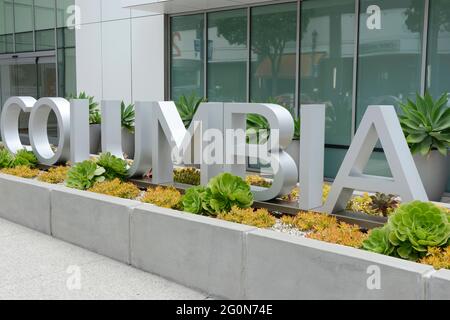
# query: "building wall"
[[120, 52]]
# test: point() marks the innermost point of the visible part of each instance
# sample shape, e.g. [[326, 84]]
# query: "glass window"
[[390, 52], [326, 68], [187, 55], [67, 72], [64, 18], [23, 15], [66, 37], [227, 56], [273, 53], [44, 14], [24, 42], [438, 78], [438, 75], [6, 17], [45, 40], [6, 43]]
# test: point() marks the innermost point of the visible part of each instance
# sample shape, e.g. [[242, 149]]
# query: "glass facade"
[[273, 53], [37, 33], [187, 55], [347, 54], [227, 56]]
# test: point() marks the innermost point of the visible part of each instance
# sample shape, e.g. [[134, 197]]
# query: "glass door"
[[33, 76]]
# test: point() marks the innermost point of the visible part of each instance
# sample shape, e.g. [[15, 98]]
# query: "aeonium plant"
[[411, 230], [426, 124], [221, 194]]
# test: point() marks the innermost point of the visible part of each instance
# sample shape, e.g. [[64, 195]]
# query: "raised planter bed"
[[283, 267], [438, 285], [25, 202], [93, 221], [200, 252], [221, 258]]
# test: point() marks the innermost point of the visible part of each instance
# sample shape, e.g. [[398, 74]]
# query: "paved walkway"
[[36, 266]]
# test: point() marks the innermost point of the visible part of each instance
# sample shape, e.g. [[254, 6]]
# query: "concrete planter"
[[128, 143], [223, 259], [95, 138], [25, 202], [93, 221], [433, 171], [294, 150], [300, 268], [438, 286], [203, 253]]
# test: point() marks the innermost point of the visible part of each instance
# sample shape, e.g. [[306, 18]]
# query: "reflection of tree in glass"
[[414, 15], [270, 34]]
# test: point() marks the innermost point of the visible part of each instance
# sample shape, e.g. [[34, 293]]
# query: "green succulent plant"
[[114, 166], [128, 116], [84, 175], [187, 107], [193, 200], [378, 241], [94, 112], [257, 124], [221, 194], [416, 226], [426, 124], [6, 159], [225, 191], [25, 158]]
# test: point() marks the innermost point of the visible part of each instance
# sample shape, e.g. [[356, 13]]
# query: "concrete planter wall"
[[128, 143], [199, 252], [433, 171], [223, 259], [25, 202], [93, 221], [95, 138]]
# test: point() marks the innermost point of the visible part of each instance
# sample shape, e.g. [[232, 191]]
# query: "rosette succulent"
[[416, 226], [114, 166], [25, 158], [225, 191], [193, 200], [222, 193], [378, 241], [84, 175]]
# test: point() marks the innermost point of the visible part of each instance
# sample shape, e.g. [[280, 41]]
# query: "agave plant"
[[128, 116], [426, 124], [94, 112], [187, 107]]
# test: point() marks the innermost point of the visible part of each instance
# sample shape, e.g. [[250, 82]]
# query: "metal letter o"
[[10, 121], [38, 130]]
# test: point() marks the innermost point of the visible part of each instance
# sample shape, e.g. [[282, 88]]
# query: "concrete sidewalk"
[[36, 266]]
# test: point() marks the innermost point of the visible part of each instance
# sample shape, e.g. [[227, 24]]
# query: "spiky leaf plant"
[[187, 107], [128, 116], [426, 124]]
